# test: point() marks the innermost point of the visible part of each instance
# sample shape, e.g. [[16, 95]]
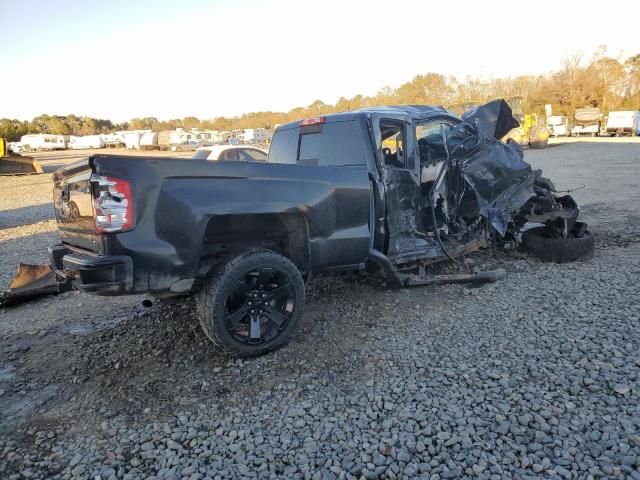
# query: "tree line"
[[603, 81]]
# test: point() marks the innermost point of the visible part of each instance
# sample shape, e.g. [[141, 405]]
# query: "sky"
[[171, 59]]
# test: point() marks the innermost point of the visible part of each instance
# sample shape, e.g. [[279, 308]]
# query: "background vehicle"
[[530, 132], [181, 140], [391, 190], [87, 141], [231, 152], [558, 126], [132, 140], [621, 123], [149, 141], [12, 163], [586, 121], [112, 140], [188, 145], [254, 135], [43, 141]]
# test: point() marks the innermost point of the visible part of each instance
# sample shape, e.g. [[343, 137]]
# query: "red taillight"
[[312, 121], [112, 204]]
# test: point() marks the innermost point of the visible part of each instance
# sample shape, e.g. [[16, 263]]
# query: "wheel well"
[[286, 234]]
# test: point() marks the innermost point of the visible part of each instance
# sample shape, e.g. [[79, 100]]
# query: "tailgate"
[[73, 205]]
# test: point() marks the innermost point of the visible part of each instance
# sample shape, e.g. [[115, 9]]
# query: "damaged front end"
[[475, 191], [515, 201]]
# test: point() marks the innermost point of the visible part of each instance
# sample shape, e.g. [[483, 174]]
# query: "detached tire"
[[557, 249], [252, 303]]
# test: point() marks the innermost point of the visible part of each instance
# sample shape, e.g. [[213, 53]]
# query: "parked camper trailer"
[[87, 141], [622, 123], [208, 137], [132, 140], [222, 137], [586, 122], [164, 139], [254, 135], [181, 140], [149, 141], [112, 140], [558, 126], [43, 141]]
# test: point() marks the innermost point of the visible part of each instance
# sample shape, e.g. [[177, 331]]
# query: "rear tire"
[[579, 246], [252, 303]]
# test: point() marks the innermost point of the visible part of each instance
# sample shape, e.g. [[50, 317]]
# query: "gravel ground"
[[536, 376]]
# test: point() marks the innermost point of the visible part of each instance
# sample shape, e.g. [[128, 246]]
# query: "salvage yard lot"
[[536, 375]]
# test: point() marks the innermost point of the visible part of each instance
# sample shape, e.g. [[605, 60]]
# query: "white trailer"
[[164, 139], [149, 141], [43, 141], [252, 135], [132, 140], [558, 126], [622, 123], [209, 137], [112, 140], [183, 140], [87, 141]]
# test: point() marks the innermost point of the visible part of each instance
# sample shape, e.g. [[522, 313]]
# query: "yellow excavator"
[[15, 164], [531, 131]]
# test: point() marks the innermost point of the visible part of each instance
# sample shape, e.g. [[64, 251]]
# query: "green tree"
[[190, 122], [88, 126], [58, 126]]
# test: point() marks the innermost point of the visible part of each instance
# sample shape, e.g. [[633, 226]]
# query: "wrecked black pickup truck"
[[390, 190]]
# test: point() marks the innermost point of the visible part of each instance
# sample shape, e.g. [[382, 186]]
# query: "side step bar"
[[398, 279]]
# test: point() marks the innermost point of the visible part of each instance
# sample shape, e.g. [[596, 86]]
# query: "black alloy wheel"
[[252, 302], [259, 306]]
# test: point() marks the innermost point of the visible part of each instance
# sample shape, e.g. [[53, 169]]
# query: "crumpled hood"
[[497, 172]]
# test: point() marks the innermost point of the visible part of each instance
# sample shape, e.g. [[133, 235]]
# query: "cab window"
[[393, 143]]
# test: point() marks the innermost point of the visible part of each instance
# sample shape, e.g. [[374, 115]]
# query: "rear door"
[[331, 154]]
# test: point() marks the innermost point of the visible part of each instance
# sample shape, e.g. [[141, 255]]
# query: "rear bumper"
[[92, 273]]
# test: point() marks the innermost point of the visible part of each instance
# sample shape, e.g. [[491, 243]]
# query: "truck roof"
[[416, 112]]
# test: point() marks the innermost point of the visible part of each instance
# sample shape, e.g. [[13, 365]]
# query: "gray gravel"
[[537, 376]]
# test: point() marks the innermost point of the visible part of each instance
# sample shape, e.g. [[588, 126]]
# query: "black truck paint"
[[190, 212]]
